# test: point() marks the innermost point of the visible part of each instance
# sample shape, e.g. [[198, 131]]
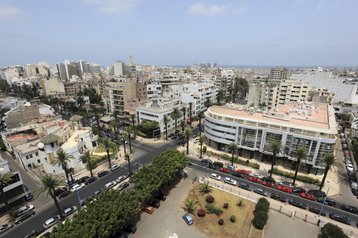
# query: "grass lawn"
[[209, 223]]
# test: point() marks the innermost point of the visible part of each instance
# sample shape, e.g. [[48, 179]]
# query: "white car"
[[69, 210], [110, 184], [215, 176], [230, 181], [121, 178], [77, 187], [115, 167], [24, 209], [52, 221], [350, 168]]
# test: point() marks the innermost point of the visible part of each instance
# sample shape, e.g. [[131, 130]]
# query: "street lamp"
[[324, 200], [79, 199]]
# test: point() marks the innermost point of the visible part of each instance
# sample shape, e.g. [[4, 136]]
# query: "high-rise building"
[[278, 73], [118, 68]]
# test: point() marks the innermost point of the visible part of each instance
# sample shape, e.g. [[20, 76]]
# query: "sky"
[[168, 32]]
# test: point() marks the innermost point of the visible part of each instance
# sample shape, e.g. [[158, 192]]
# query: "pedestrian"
[[318, 222]]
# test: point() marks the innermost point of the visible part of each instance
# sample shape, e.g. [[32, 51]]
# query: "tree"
[[166, 120], [133, 125], [205, 187], [87, 159], [183, 110], [71, 172], [219, 96], [190, 113], [332, 231], [5, 178], [200, 116], [201, 143], [128, 158], [329, 161], [207, 103], [80, 101], [187, 134], [182, 125], [128, 131], [148, 127], [232, 149], [107, 146], [97, 122], [300, 154], [275, 148], [190, 205], [50, 184], [175, 115], [62, 159]]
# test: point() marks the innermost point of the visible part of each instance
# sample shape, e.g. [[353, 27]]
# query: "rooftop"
[[28, 147]]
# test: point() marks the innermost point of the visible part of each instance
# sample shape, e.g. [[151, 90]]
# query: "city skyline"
[[295, 33]]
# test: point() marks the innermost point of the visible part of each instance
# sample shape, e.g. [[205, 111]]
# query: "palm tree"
[[205, 187], [107, 146], [97, 122], [86, 159], [187, 134], [123, 138], [50, 184], [232, 149], [329, 160], [175, 115], [190, 205], [220, 96], [128, 158], [128, 131], [200, 116], [133, 125], [300, 154], [166, 120], [182, 125], [4, 180], [183, 109], [190, 113], [62, 159], [71, 172], [201, 143], [275, 148]]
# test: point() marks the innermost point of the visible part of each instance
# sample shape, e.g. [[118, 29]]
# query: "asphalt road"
[[49, 210]]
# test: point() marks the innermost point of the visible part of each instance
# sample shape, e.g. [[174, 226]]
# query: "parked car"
[[69, 210], [90, 180], [317, 211], [77, 187], [97, 192], [307, 196], [350, 168], [215, 176], [260, 191], [237, 174], [115, 167], [83, 179], [326, 201], [225, 170], [121, 178], [230, 181], [355, 192], [51, 222], [298, 190], [284, 188], [123, 186], [231, 167], [64, 194], [297, 204], [161, 196], [350, 209], [58, 191], [317, 193], [154, 203], [188, 219], [278, 197], [285, 183], [24, 216], [35, 232], [131, 228], [5, 228], [254, 179], [218, 164], [339, 218], [102, 173], [110, 185], [268, 184], [148, 209], [354, 185], [28, 197], [24, 209], [245, 186], [243, 171]]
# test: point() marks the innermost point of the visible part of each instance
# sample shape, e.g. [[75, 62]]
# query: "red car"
[[243, 171], [225, 170], [308, 196], [268, 184], [284, 188], [254, 179]]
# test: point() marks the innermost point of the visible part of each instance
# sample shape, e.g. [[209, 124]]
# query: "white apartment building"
[[292, 91], [154, 90], [198, 94], [295, 124], [262, 95]]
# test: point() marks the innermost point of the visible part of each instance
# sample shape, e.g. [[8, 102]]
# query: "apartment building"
[[262, 95], [292, 91], [277, 74], [52, 87], [295, 124]]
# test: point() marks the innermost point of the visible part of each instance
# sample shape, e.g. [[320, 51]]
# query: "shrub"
[[332, 231], [260, 219], [226, 205], [209, 199], [262, 205], [201, 212], [301, 178], [211, 209], [221, 222], [232, 218]]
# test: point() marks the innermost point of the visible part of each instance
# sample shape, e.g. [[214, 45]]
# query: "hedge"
[[261, 213], [301, 178], [240, 161]]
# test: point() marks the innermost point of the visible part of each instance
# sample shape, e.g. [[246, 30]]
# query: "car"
[[350, 209], [123, 186], [121, 178], [218, 164], [51, 222], [35, 232], [28, 197], [110, 185], [317, 193], [278, 197], [188, 219], [268, 184], [69, 210], [90, 180], [268, 179], [215, 176], [354, 185], [284, 188], [77, 187], [231, 167], [24, 209], [115, 167], [58, 191], [350, 168], [245, 186], [230, 181], [97, 192], [308, 196], [298, 190], [4, 228], [355, 192], [102, 173], [148, 209], [285, 183], [131, 228], [260, 191], [254, 179], [161, 196], [317, 211], [154, 203], [206, 162], [64, 194], [340, 218], [236, 174], [24, 216], [243, 171], [326, 201], [224, 170], [83, 179], [297, 204]]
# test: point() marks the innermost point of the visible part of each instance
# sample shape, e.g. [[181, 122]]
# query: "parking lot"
[[167, 221]]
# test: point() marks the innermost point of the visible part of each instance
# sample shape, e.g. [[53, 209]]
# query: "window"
[[38, 161], [27, 157], [36, 153], [31, 156]]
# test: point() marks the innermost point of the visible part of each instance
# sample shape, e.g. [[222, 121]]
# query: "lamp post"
[[79, 199], [324, 200]]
